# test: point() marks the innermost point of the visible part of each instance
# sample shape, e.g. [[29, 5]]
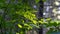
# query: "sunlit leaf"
[[41, 22], [57, 22], [48, 19], [17, 33], [34, 21], [19, 26], [26, 25]]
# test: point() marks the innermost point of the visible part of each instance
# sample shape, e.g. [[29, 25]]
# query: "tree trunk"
[[40, 15]]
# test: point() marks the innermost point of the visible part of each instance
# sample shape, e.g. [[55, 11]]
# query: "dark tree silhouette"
[[40, 15]]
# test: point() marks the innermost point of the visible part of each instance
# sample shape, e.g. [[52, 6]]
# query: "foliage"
[[17, 15], [52, 25]]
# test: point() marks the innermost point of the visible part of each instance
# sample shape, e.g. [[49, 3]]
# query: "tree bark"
[[40, 15]]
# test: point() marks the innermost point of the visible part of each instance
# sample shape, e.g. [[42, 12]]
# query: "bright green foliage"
[[17, 16], [53, 25]]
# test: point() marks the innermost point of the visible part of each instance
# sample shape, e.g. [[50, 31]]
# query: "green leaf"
[[20, 26], [37, 1], [17, 33], [26, 25]]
